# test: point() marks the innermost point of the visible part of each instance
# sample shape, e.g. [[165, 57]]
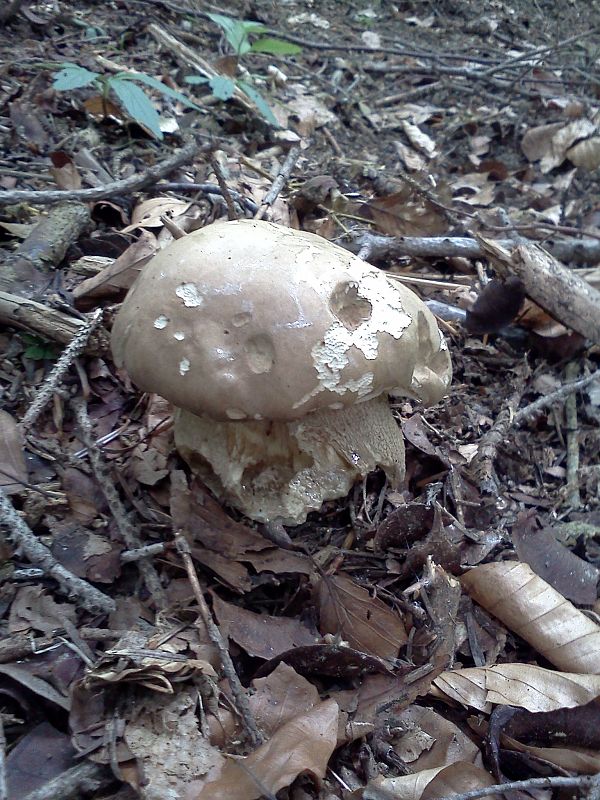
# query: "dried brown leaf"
[[524, 685], [13, 470], [303, 744], [365, 622], [260, 635], [531, 608]]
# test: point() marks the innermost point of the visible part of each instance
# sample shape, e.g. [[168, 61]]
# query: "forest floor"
[[415, 641]]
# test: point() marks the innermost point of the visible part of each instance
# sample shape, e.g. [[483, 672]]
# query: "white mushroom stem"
[[286, 469]]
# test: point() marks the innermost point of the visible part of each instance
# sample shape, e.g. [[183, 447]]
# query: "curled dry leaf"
[[429, 740], [457, 778], [303, 744], [431, 783], [365, 622], [573, 577], [531, 608], [122, 272], [524, 685], [549, 144], [404, 787], [567, 758], [585, 154]]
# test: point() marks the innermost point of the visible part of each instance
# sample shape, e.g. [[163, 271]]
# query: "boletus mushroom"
[[279, 350]]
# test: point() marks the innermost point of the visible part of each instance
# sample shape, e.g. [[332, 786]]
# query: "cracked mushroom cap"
[[249, 320]]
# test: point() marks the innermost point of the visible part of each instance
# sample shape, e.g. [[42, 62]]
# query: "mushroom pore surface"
[[275, 335]]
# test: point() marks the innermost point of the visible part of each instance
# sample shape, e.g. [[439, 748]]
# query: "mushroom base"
[[283, 470]]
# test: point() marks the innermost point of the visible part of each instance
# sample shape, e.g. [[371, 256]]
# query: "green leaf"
[[222, 87], [72, 76], [159, 85], [195, 79], [276, 47], [137, 105], [236, 31], [259, 102]]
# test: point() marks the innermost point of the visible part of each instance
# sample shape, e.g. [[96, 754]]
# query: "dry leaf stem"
[[214, 633], [280, 181]]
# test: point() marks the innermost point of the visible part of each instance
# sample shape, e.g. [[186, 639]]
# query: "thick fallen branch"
[[25, 271], [374, 247], [49, 323], [558, 290]]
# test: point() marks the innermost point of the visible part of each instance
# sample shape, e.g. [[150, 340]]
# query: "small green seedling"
[[238, 34], [124, 86], [38, 349]]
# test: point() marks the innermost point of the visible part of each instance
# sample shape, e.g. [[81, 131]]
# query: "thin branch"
[[124, 524], [280, 181], [572, 429], [3, 786], [482, 465], [40, 556], [125, 186], [557, 396], [73, 783], [55, 376], [582, 782], [226, 194], [207, 189], [214, 633], [377, 247]]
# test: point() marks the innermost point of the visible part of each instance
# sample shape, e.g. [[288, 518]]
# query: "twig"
[[557, 396], [214, 633], [217, 169], [280, 181], [572, 427], [73, 783], [55, 376], [208, 189], [132, 184], [482, 465], [126, 528], [3, 786], [581, 781], [39, 555], [142, 552]]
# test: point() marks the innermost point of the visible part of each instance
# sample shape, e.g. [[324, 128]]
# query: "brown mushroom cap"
[[251, 320]]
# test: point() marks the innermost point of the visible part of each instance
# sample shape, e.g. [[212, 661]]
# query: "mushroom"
[[279, 350]]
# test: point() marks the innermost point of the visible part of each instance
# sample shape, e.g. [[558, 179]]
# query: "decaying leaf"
[[549, 144], [348, 610], [302, 744], [523, 685], [260, 635], [531, 608]]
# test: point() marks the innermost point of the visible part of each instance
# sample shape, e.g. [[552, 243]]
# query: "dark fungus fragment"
[[498, 304]]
